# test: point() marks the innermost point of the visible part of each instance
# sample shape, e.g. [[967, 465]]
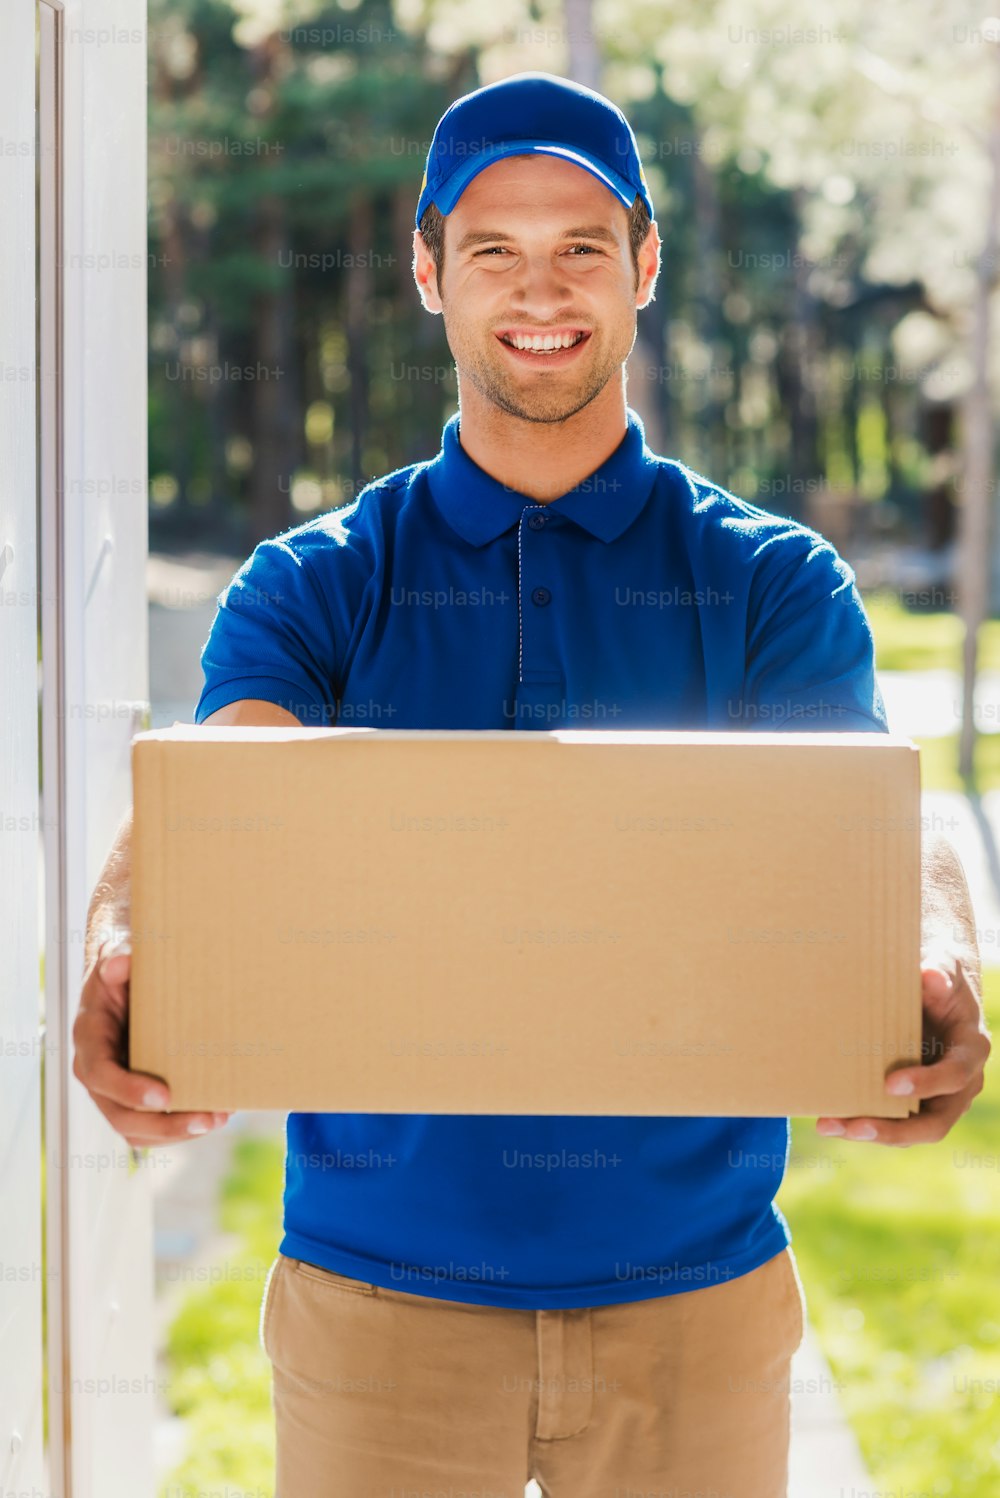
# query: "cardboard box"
[[370, 920]]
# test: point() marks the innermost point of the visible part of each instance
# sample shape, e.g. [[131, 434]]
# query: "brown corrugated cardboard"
[[372, 920]]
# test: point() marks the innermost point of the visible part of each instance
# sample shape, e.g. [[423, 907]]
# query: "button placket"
[[537, 657]]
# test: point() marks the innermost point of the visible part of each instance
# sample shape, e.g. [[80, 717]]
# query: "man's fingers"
[[945, 996], [945, 1088], [941, 1078], [116, 960], [134, 1103], [928, 1126], [112, 975], [941, 959], [158, 1128], [98, 1036], [99, 1042], [103, 1077], [114, 972]]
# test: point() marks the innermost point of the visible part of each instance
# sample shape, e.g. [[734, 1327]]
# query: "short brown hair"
[[432, 229]]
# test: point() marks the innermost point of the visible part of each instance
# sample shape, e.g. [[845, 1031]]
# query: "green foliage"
[[939, 764], [283, 178], [818, 218], [219, 1375], [906, 640], [899, 1252]]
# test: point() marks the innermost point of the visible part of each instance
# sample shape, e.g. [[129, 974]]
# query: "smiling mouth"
[[543, 343], [547, 349]]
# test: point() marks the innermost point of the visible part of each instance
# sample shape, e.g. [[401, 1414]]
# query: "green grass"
[[939, 764], [220, 1378], [899, 1252], [911, 640], [908, 640]]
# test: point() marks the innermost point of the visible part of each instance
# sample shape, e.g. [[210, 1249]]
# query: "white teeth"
[[543, 345]]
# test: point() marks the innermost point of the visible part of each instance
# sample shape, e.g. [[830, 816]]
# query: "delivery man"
[[609, 1305]]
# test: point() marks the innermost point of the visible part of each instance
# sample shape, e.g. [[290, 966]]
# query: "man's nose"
[[540, 281]]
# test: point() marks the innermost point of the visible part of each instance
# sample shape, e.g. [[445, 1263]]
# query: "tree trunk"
[[975, 557], [938, 508], [174, 283], [803, 415], [358, 285], [584, 57], [585, 66], [708, 235], [277, 424], [276, 427]]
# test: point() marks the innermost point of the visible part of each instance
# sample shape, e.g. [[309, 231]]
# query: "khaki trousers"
[[380, 1393]]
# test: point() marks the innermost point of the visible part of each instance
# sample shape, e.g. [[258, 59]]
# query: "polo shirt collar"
[[480, 508]]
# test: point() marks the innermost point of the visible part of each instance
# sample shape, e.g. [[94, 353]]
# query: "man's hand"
[[135, 1104], [956, 1045]]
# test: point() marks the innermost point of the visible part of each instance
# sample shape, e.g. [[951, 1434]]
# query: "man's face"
[[537, 246]]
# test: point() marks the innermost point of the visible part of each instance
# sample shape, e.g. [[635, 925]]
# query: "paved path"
[[928, 704], [182, 594], [825, 1460]]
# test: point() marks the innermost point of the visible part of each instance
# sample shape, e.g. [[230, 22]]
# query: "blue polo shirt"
[[646, 597]]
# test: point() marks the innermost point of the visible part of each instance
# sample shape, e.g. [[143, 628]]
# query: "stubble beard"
[[539, 403]]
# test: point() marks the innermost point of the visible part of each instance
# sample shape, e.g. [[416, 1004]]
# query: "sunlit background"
[[826, 180]]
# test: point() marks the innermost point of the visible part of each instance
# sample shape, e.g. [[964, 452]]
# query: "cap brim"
[[449, 193]]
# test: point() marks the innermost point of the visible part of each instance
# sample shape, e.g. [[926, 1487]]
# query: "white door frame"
[[95, 685]]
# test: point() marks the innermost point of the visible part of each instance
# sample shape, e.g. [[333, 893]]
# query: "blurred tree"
[[286, 154], [810, 341], [823, 103]]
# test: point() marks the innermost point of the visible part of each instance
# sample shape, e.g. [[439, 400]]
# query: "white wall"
[[21, 1464]]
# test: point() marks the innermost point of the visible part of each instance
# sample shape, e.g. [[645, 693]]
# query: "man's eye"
[[494, 248]]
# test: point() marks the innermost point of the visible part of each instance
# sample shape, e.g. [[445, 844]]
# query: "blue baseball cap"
[[525, 114]]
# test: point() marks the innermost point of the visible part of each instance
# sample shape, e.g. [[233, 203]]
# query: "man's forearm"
[[110, 904], [947, 917]]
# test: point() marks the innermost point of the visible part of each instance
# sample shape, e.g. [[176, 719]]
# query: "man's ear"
[[425, 274], [649, 267]]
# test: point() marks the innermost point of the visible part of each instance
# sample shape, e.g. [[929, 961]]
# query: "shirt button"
[[536, 522], [541, 596]]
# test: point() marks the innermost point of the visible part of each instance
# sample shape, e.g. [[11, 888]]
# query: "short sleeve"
[[810, 656], [271, 638]]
